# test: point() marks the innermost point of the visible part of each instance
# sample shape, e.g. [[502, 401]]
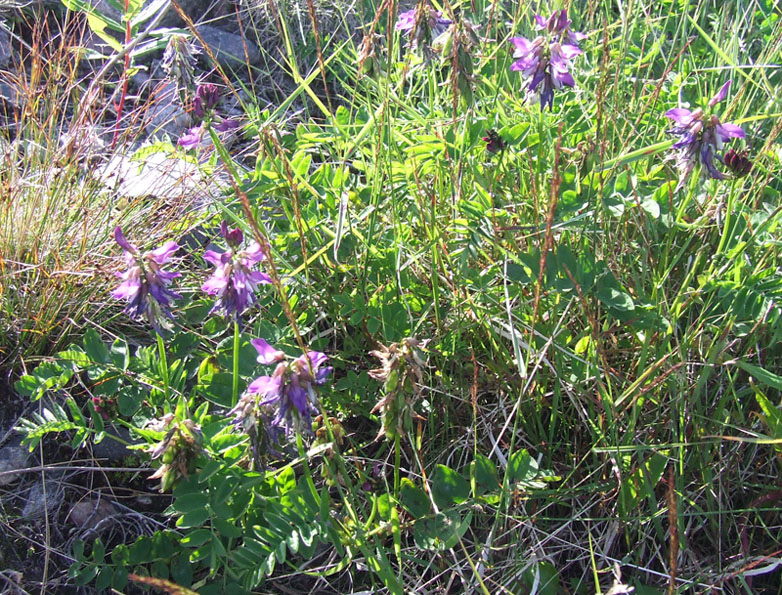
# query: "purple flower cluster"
[[701, 137], [422, 24], [545, 61], [285, 400], [204, 108], [233, 281], [145, 278]]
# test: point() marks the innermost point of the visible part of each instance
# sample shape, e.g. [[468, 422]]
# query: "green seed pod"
[[392, 381], [168, 481]]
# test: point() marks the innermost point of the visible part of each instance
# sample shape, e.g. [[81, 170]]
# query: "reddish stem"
[[121, 104]]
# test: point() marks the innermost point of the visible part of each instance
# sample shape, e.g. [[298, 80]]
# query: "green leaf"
[[641, 483], [219, 390], [129, 400], [119, 578], [225, 489], [224, 442], [190, 502], [484, 474], [98, 551], [384, 506], [196, 538], [522, 468], [414, 499], [226, 528], [546, 576], [761, 374], [193, 518], [772, 416], [615, 299], [119, 353], [441, 531], [26, 385], [182, 570], [104, 579], [448, 487], [208, 369], [95, 348], [139, 16]]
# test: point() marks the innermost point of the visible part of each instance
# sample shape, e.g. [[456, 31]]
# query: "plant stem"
[[164, 367], [235, 391]]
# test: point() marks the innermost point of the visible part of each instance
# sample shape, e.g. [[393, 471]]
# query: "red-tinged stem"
[[121, 104]]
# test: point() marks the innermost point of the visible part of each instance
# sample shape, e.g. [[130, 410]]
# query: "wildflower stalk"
[[261, 238], [376, 559], [397, 465], [235, 391], [164, 368], [728, 219]]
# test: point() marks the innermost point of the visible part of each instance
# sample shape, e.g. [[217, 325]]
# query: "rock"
[[228, 48], [42, 501], [90, 512], [111, 449], [166, 113], [157, 175], [194, 9], [12, 458], [5, 47]]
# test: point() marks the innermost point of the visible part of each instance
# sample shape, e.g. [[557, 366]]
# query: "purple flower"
[[494, 142], [288, 394], [422, 24], [145, 278], [205, 109], [233, 281], [738, 162], [226, 124], [266, 353], [545, 61], [192, 138], [207, 96], [700, 137]]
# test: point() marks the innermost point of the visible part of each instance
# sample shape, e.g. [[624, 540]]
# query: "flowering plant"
[[286, 400], [233, 281], [145, 278], [422, 25], [204, 108], [545, 61], [700, 137]]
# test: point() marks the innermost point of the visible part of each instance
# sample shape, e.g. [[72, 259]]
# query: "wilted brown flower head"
[[402, 376], [177, 451]]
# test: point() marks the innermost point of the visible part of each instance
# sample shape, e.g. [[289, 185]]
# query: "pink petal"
[[265, 385], [119, 237], [216, 258], [680, 115], [162, 254], [727, 131], [721, 95], [266, 353]]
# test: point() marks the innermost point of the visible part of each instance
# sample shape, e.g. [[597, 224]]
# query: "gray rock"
[[166, 113], [5, 47], [158, 175], [111, 449], [90, 512], [13, 457], [194, 9], [228, 48], [42, 501]]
